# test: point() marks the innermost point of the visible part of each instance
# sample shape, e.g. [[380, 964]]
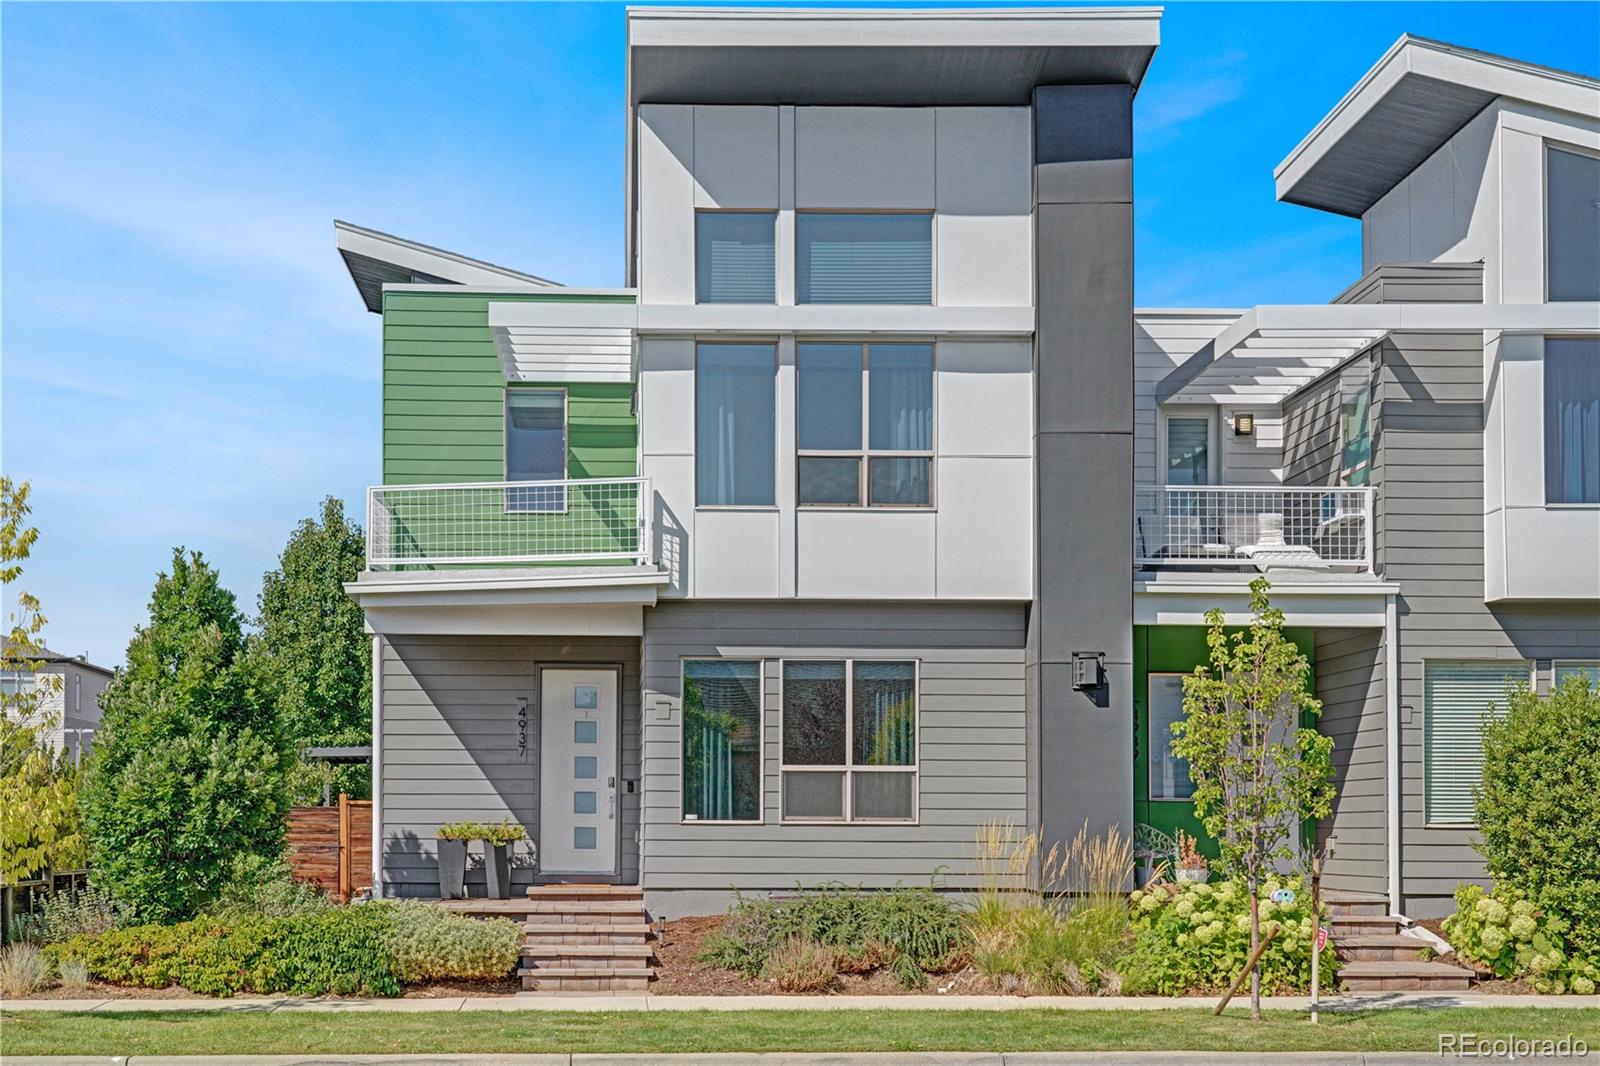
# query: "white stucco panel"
[[736, 157], [985, 528], [984, 392], [735, 554], [864, 157], [865, 554], [666, 193]]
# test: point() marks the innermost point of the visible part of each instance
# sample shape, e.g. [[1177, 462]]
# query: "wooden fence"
[[332, 845]]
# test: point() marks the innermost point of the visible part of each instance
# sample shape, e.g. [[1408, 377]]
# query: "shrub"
[[460, 831], [91, 910], [260, 885], [1506, 933], [1539, 806], [23, 970], [1195, 937], [431, 943], [800, 965], [912, 931], [74, 974]]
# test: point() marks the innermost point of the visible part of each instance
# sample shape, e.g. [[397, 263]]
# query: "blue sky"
[[185, 361]]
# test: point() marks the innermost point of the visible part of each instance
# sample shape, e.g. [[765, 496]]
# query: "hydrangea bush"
[[1195, 937], [1506, 933]]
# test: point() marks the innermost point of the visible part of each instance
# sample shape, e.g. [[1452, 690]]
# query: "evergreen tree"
[[188, 769]]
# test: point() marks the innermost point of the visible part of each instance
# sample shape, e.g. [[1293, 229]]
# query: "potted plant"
[[497, 839], [452, 842], [1191, 864], [1153, 851]]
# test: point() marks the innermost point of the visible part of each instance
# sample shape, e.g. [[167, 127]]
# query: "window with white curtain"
[[1458, 698], [1169, 773], [849, 740], [1572, 225], [864, 431], [735, 425], [863, 258], [722, 740], [1572, 420], [735, 257]]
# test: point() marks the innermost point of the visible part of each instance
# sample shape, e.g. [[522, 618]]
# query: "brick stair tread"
[[581, 906], [1395, 968], [1362, 919], [1381, 940], [588, 928], [1343, 895], [543, 951], [564, 890], [594, 972]]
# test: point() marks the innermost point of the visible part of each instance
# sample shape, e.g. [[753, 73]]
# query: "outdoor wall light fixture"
[[1244, 424]]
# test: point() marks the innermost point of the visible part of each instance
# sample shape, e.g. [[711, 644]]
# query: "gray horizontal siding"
[[1350, 681], [1423, 283], [1311, 434], [1428, 469], [449, 748], [972, 743]]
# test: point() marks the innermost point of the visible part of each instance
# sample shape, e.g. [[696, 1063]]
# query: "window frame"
[[1427, 727], [930, 213], [761, 717], [1546, 147], [1149, 728], [772, 213], [848, 769], [505, 446], [777, 405], [866, 453], [1557, 664], [1213, 445]]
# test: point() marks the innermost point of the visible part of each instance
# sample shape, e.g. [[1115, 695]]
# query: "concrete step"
[[1392, 976], [1344, 926], [617, 932], [1380, 947], [588, 951]]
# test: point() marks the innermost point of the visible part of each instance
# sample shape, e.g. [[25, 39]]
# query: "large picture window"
[[735, 422], [536, 448], [861, 258], [734, 257], [865, 425], [1572, 420], [1572, 225], [1458, 698], [722, 740], [849, 740]]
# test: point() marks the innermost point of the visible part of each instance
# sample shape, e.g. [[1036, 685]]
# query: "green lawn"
[[182, 1033]]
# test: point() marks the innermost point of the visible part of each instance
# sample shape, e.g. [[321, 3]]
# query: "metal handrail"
[[1326, 527]]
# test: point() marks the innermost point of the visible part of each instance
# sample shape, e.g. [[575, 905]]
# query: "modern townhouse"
[[870, 510], [65, 690]]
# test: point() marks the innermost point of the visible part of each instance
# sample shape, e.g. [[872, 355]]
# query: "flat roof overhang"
[[889, 58], [533, 601], [1414, 99]]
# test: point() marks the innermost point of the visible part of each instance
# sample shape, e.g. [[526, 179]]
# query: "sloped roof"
[[376, 259]]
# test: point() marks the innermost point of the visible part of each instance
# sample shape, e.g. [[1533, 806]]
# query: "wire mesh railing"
[[1228, 526], [509, 522]]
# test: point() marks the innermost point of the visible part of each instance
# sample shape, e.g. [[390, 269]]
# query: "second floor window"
[[1572, 420], [734, 257], [1572, 225], [1355, 424], [1188, 451], [865, 425], [735, 423], [861, 258], [536, 448]]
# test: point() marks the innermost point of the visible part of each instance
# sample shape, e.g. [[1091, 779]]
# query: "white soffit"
[[376, 259], [1272, 351], [566, 342]]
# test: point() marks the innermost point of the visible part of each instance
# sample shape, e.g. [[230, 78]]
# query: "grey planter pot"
[[497, 869], [452, 869]]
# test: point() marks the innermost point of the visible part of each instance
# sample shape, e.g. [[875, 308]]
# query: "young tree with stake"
[[1257, 771]]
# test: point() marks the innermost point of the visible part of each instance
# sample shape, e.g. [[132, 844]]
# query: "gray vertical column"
[[1081, 741]]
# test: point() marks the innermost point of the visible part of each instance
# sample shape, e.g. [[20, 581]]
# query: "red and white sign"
[[1322, 937]]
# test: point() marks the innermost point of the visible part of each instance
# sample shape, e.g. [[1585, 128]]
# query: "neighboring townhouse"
[[1418, 462], [65, 690], [869, 511]]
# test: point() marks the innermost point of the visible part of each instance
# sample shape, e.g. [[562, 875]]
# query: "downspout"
[[377, 767], [1391, 699]]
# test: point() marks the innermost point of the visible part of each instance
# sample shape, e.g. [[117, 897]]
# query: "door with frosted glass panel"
[[577, 772]]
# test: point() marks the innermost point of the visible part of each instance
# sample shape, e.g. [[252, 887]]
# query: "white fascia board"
[[835, 318], [555, 585], [725, 27], [551, 289], [509, 620], [1354, 606], [1499, 75]]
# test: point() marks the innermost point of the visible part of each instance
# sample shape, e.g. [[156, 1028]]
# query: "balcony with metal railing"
[[1253, 528], [587, 522]]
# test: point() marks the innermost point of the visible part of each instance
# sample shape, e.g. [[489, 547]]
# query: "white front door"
[[578, 772]]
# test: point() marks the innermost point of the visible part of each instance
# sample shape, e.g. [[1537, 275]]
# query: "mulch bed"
[[681, 973]]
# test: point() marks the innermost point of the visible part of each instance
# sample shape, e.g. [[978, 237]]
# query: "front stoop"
[[586, 938], [1375, 956]]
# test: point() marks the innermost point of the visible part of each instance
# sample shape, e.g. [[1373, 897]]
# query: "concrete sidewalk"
[[892, 1058], [645, 1002]]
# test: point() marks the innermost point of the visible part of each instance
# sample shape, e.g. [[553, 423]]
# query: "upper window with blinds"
[[1458, 698], [863, 258], [735, 257], [1572, 225]]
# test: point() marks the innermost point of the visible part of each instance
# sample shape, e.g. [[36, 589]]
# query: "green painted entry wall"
[[444, 396], [1176, 650]]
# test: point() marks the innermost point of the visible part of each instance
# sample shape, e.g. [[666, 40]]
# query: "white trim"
[[848, 767], [1393, 796], [1357, 604], [761, 739], [856, 319], [377, 767]]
